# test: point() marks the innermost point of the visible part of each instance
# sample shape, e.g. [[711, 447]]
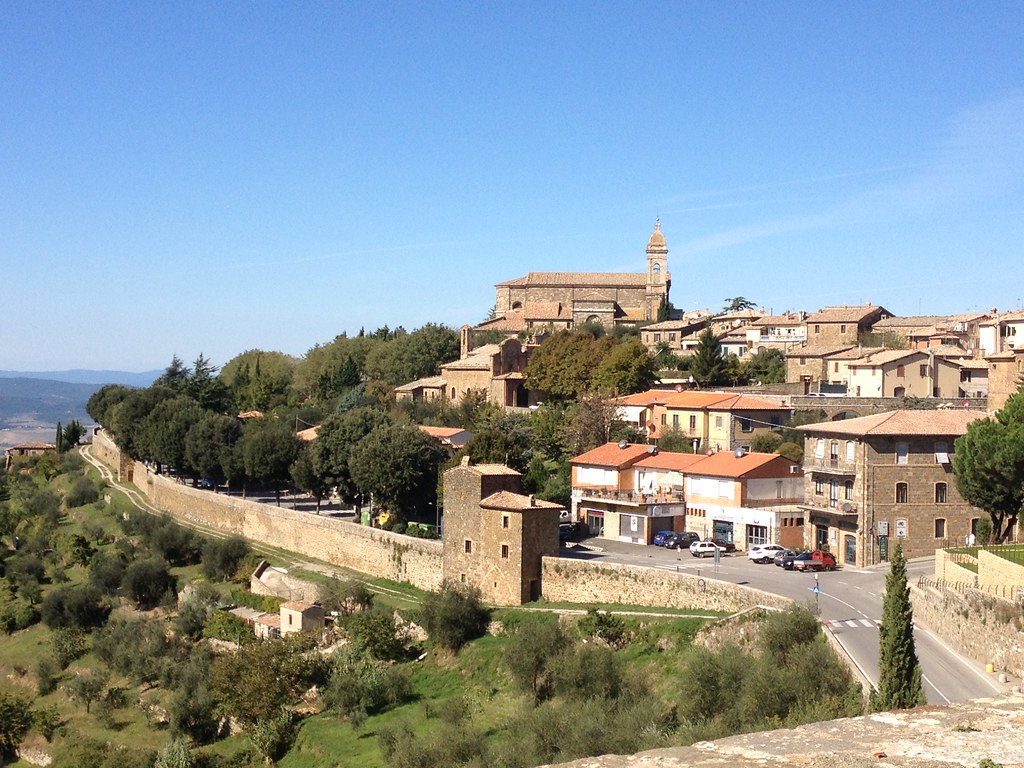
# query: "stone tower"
[[659, 281], [495, 536]]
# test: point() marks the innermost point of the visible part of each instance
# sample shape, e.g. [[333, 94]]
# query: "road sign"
[[816, 588], [901, 529]]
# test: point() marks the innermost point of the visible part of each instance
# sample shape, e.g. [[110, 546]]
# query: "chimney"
[[465, 460], [533, 500]]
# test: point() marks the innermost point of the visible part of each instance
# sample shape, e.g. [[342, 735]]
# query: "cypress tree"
[[899, 685], [60, 438]]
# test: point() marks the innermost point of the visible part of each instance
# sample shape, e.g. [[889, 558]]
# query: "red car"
[[818, 560]]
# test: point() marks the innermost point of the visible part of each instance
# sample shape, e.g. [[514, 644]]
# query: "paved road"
[[849, 602]]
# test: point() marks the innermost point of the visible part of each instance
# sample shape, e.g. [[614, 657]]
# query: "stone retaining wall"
[[948, 569], [586, 581], [996, 571], [980, 626]]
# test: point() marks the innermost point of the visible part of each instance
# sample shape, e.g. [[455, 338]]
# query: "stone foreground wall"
[[584, 581]]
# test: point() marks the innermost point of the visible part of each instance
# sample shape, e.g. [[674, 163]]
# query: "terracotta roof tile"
[[747, 403], [611, 455], [431, 382], [298, 605], [630, 279], [517, 502], [492, 469], [845, 314], [941, 422], [727, 464], [680, 462]]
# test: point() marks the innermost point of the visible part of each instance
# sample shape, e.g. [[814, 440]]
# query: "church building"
[[562, 300]]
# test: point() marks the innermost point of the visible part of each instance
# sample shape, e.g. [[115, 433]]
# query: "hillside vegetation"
[[104, 665]]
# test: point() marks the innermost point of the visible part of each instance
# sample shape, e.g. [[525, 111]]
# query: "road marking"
[[932, 685], [851, 607]]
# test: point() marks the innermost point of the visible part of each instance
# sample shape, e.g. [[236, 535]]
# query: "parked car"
[[705, 548], [728, 546], [565, 531], [764, 553], [780, 558], [661, 536], [810, 561], [681, 540]]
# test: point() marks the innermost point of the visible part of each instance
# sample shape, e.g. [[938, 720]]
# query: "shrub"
[[149, 582], [221, 557], [604, 626], [454, 616], [376, 633], [358, 685], [82, 491], [81, 607], [47, 675], [67, 644], [345, 597], [226, 626], [15, 720]]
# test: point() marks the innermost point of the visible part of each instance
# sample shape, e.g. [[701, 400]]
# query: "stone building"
[[873, 479], [494, 535], [496, 370], [842, 324], [561, 300]]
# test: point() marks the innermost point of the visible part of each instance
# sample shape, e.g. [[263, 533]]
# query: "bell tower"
[[659, 281]]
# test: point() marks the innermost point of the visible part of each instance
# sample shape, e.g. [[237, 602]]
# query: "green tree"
[[708, 364], [899, 684], [259, 679], [766, 442], [207, 444], [332, 449], [206, 388], [564, 363], [454, 615], [102, 400], [532, 651], [767, 366], [87, 687], [269, 447], [127, 419], [412, 356], [15, 720], [738, 304], [304, 475], [988, 463], [627, 368], [398, 464], [166, 428], [148, 582], [591, 421], [175, 376], [665, 310], [501, 437]]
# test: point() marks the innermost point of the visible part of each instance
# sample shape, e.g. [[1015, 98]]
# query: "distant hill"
[[83, 376], [26, 402]]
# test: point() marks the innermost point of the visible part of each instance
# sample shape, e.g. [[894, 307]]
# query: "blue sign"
[[816, 588]]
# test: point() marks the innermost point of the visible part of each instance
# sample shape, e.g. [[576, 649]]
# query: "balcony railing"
[[833, 463], [630, 497]]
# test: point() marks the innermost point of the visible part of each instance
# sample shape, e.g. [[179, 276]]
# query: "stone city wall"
[[584, 581], [338, 542], [982, 627]]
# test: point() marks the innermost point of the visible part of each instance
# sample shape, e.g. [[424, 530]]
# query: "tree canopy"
[[708, 364], [988, 463]]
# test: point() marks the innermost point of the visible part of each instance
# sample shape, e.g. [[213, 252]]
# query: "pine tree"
[[899, 685], [708, 364]]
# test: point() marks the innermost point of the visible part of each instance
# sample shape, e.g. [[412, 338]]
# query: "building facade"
[[875, 479]]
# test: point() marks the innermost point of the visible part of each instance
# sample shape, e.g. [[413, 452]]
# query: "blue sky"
[[180, 178]]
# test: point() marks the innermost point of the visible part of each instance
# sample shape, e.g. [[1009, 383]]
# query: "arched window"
[[901, 493], [940, 493], [656, 269], [940, 528], [517, 305], [848, 490], [453, 393]]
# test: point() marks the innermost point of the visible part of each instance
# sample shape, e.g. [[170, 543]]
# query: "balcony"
[[831, 464], [651, 504]]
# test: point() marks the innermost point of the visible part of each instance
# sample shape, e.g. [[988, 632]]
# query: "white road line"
[[866, 623], [925, 679], [851, 607], [851, 623]]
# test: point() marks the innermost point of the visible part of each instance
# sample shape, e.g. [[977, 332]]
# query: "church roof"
[[601, 279]]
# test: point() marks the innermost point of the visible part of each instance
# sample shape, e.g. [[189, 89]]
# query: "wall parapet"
[[586, 581]]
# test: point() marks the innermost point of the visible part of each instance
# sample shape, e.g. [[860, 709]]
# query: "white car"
[[705, 549], [764, 553]]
